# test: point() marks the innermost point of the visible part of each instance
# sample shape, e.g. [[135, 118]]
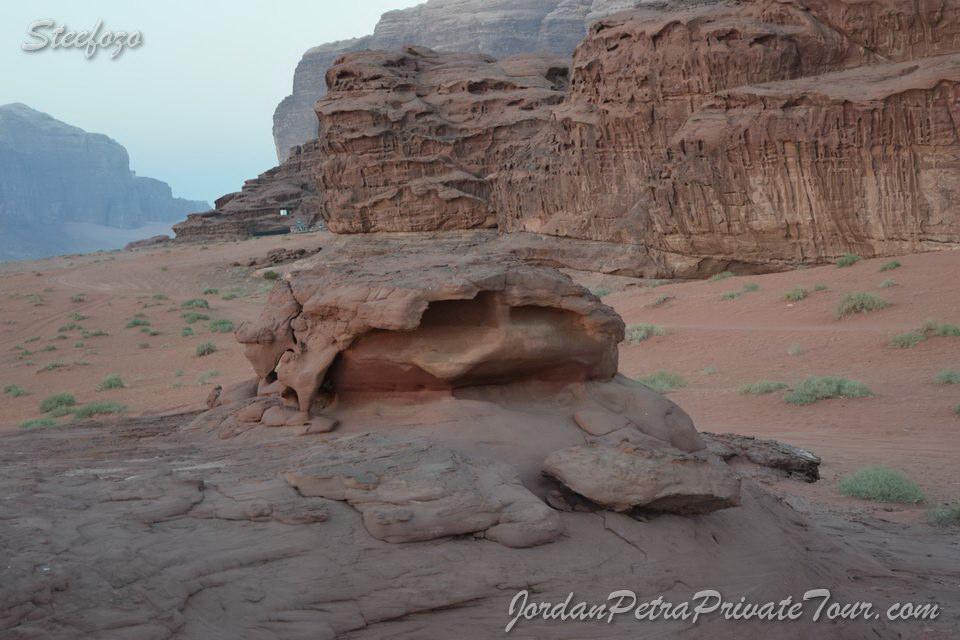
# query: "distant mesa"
[[63, 189]]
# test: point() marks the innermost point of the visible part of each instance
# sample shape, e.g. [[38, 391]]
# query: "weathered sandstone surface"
[[52, 173], [498, 28], [729, 135]]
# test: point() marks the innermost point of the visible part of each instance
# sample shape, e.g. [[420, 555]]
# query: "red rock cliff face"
[[732, 135]]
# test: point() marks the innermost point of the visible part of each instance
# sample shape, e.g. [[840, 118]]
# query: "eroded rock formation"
[[498, 28], [409, 321]]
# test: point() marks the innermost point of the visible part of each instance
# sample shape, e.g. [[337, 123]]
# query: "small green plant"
[[206, 349], [112, 381], [98, 408], [273, 275], [848, 260], [934, 328], [890, 266], [160, 296], [860, 303], [661, 300], [881, 484], [77, 298], [637, 333], [663, 381], [796, 294], [886, 284], [229, 296], [186, 332], [207, 375], [762, 388], [97, 333], [946, 516], [600, 292], [211, 292], [653, 284], [59, 412], [33, 339], [948, 377], [52, 366], [907, 340], [38, 423], [78, 345], [14, 391], [730, 295], [50, 403], [164, 268], [796, 350], [820, 287], [195, 303], [751, 287], [221, 326], [956, 411], [78, 317], [192, 316], [138, 322], [723, 275], [72, 326], [144, 345], [816, 388], [709, 371], [48, 348]]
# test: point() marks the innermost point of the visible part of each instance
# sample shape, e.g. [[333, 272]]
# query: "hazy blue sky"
[[194, 104]]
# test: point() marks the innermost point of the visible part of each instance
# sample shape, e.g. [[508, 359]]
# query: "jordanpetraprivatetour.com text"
[[817, 605]]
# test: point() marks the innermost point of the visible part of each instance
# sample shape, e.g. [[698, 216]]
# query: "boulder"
[[629, 476], [781, 457]]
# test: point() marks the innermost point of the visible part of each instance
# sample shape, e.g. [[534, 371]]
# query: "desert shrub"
[[796, 350], [72, 326], [730, 295], [860, 303], [795, 295], [639, 332], [192, 316], [33, 339], [186, 332], [956, 411], [206, 349], [653, 284], [138, 322], [750, 287], [709, 371], [195, 303], [38, 423], [221, 326], [663, 381], [48, 349], [907, 340], [848, 260], [661, 300], [78, 317], [816, 388], [97, 333], [881, 484], [78, 345], [59, 412], [886, 284], [723, 275], [948, 377], [273, 275], [890, 266], [948, 516], [934, 328], [50, 403], [600, 292], [820, 287], [14, 391], [52, 366], [78, 298], [211, 292], [230, 296], [207, 375], [160, 296], [762, 388], [112, 381], [98, 408]]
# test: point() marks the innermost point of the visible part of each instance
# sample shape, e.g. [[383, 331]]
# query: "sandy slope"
[[716, 345]]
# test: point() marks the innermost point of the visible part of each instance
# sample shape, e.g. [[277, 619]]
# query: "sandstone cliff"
[[496, 27], [744, 135], [52, 173]]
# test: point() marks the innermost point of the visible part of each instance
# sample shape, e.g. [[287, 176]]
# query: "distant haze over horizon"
[[194, 104]]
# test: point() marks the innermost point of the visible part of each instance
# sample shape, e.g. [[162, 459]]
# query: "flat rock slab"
[[630, 476], [782, 457], [410, 490]]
